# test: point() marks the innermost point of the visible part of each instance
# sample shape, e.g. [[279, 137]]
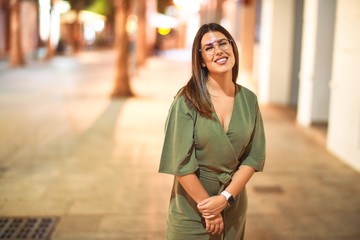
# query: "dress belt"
[[224, 178]]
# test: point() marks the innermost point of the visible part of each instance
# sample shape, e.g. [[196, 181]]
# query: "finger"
[[216, 229], [208, 229], [203, 202], [221, 228], [204, 206], [206, 213], [208, 226], [206, 216], [211, 228], [201, 207]]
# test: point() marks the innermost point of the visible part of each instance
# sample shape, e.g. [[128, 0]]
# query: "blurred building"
[[28, 18], [297, 53], [307, 56]]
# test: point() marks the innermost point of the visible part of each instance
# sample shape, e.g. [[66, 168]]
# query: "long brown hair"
[[195, 91]]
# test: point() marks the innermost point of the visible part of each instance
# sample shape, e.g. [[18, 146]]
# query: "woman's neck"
[[218, 86]]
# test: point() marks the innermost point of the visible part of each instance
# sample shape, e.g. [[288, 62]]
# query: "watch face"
[[231, 200]]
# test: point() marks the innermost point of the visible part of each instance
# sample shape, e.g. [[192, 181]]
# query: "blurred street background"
[[85, 87]]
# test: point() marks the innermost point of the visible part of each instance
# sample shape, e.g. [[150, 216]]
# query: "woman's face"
[[217, 53]]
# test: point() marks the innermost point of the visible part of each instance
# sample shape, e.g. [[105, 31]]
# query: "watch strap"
[[228, 197]]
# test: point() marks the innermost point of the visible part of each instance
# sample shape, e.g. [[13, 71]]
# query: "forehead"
[[210, 37]]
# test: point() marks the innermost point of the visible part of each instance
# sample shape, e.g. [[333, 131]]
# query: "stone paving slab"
[[68, 150]]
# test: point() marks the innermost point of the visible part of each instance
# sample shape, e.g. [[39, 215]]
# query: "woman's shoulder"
[[246, 92], [180, 104], [179, 98]]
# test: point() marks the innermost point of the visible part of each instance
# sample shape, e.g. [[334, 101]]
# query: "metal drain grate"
[[16, 228]]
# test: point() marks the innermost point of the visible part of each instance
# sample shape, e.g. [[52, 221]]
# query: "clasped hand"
[[211, 209]]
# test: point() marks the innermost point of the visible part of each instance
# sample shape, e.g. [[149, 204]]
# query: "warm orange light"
[[132, 24]]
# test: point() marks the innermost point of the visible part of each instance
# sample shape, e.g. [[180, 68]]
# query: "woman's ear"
[[203, 65]]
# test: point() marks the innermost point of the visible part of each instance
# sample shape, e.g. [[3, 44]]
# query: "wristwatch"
[[228, 196]]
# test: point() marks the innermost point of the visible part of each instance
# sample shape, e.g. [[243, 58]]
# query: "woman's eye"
[[223, 43], [209, 48]]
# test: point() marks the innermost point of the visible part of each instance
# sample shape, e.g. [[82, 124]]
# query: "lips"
[[221, 60]]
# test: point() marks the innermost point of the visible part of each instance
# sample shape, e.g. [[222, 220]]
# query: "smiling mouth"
[[221, 60]]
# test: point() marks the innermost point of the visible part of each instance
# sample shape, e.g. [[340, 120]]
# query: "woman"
[[214, 142]]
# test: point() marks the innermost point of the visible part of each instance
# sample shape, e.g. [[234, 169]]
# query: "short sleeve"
[[178, 154], [254, 155]]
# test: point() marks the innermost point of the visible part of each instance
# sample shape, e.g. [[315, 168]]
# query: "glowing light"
[[62, 7], [89, 33], [163, 21], [50, 21], [99, 25], [55, 27], [93, 23], [132, 24], [179, 3], [188, 6], [44, 28], [90, 17], [164, 31]]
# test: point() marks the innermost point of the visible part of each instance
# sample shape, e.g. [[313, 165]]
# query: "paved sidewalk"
[[68, 150]]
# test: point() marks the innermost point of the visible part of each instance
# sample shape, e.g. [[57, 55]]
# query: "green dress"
[[194, 144]]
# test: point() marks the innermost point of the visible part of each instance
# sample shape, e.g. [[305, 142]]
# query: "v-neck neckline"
[[232, 113]]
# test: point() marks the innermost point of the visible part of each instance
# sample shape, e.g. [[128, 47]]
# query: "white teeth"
[[221, 60]]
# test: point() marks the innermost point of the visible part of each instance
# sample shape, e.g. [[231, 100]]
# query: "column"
[[344, 118], [247, 35], [316, 61], [276, 51]]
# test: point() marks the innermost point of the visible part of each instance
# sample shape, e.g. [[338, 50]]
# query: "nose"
[[217, 48]]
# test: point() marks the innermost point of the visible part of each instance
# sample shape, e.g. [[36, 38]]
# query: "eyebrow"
[[210, 43]]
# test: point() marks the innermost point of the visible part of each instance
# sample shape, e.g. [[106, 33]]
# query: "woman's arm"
[[197, 192], [240, 179], [212, 206], [193, 187]]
